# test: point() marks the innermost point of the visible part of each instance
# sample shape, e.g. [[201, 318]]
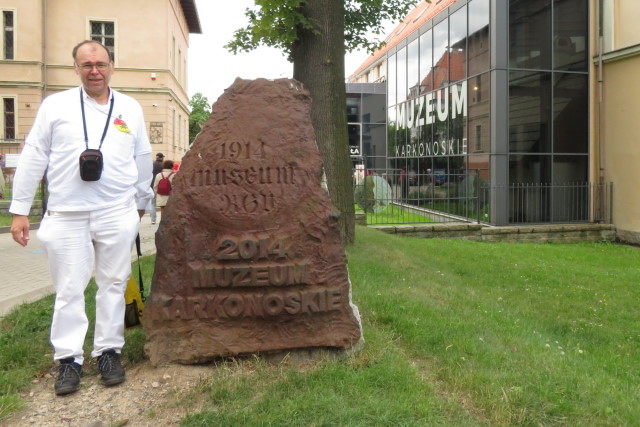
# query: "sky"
[[212, 68]]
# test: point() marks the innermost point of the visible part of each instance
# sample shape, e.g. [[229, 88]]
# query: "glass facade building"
[[498, 90]]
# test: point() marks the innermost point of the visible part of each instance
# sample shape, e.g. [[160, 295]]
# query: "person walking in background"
[[92, 216], [157, 167], [160, 189]]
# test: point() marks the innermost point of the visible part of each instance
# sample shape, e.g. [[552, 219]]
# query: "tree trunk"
[[318, 62]]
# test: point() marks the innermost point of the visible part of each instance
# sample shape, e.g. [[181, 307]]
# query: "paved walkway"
[[24, 273]]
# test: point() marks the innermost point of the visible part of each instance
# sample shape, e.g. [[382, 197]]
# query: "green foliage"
[[200, 112], [363, 195], [276, 23], [365, 16], [273, 23]]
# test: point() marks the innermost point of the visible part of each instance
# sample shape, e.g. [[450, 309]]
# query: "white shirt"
[[56, 141]]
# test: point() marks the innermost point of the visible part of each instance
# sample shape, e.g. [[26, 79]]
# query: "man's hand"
[[141, 213], [20, 229]]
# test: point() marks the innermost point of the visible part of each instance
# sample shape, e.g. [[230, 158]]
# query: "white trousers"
[[73, 242]]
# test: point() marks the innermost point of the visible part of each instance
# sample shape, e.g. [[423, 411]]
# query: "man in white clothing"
[[90, 221]]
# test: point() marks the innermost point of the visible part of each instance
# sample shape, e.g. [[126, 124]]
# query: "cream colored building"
[[149, 42], [615, 108]]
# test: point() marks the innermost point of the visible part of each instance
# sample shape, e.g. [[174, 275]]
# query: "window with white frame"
[[105, 33], [8, 34], [8, 121]]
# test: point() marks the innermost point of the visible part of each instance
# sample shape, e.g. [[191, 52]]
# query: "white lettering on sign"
[[451, 147], [425, 109]]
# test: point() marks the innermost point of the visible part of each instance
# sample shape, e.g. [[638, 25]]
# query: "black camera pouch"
[[91, 165]]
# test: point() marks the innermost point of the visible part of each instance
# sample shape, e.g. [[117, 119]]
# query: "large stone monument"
[[249, 258]]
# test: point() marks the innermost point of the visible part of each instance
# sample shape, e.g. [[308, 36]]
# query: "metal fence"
[[39, 201], [392, 196]]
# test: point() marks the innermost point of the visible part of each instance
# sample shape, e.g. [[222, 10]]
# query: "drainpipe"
[[601, 189], [600, 96], [44, 48]]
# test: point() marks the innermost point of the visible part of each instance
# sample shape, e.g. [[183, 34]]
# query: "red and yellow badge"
[[121, 125]]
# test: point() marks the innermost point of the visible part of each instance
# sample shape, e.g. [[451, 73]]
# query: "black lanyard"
[[84, 122]]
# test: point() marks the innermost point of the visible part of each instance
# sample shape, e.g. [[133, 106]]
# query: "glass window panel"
[[426, 62], [529, 200], [441, 54], [529, 169], [440, 131], [478, 43], [373, 108], [103, 32], [353, 108], [570, 113], [402, 74], [479, 114], [8, 30], [9, 118], [413, 69], [398, 166], [570, 191], [530, 34], [354, 139], [426, 134], [570, 169], [570, 25], [8, 19], [425, 166], [440, 170], [374, 143], [529, 112], [479, 137], [392, 126], [457, 141], [458, 45], [391, 80], [479, 162]]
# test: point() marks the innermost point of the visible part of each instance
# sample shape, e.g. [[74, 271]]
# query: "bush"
[[363, 195]]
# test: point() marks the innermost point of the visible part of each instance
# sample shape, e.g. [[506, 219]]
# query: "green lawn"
[[458, 333]]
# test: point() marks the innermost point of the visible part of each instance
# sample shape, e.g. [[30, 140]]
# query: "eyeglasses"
[[101, 66]]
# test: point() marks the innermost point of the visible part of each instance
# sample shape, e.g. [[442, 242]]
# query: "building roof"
[[191, 13], [420, 15]]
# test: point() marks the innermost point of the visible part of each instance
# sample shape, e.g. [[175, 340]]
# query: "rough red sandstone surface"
[[249, 257]]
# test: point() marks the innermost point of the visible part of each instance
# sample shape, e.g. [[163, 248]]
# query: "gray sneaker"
[[110, 368], [69, 373]]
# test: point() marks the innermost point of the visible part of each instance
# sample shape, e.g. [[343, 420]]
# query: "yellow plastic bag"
[[134, 304]]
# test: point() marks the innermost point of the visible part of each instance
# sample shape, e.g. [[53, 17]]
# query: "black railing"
[[392, 196]]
